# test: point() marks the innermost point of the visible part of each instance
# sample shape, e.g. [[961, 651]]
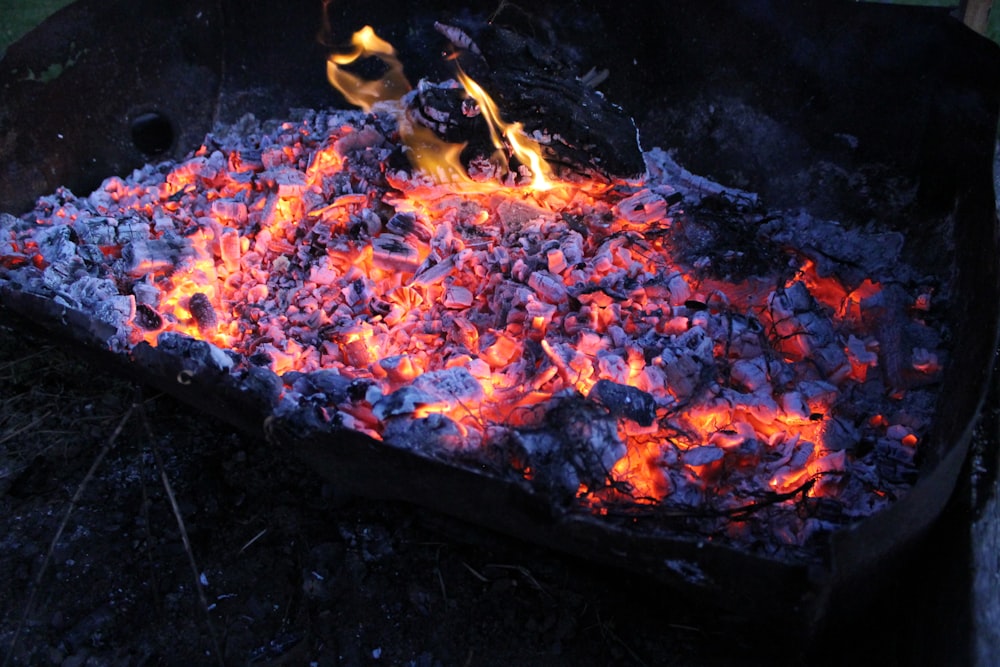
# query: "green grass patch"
[[18, 17]]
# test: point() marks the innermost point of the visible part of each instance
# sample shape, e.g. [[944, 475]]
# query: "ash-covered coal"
[[661, 344]]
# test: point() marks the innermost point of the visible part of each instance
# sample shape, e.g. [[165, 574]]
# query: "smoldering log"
[[538, 82]]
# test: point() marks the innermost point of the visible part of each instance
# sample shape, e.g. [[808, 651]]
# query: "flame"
[[361, 92], [526, 150], [437, 158]]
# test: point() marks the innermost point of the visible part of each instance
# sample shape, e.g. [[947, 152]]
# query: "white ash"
[[496, 314]]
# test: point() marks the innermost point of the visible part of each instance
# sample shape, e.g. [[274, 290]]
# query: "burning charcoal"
[[153, 256], [395, 253], [98, 231], [702, 456], [146, 294], [401, 224], [926, 362], [862, 357], [556, 261], [230, 213], [518, 297], [549, 287], [750, 373], [801, 330], [435, 273], [819, 396], [229, 249], [680, 291], [457, 297], [453, 386], [56, 244], [846, 253], [288, 182], [130, 231], [624, 401], [839, 435], [203, 313], [683, 372], [116, 311], [794, 408], [644, 207]]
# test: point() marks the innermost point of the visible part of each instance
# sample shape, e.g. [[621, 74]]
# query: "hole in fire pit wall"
[[152, 133]]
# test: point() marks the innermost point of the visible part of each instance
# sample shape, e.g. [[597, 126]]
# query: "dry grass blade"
[[526, 573], [475, 573], [253, 539], [609, 634], [23, 429], [181, 526]]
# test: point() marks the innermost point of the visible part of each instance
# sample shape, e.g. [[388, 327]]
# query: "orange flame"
[[427, 151], [526, 150], [362, 92]]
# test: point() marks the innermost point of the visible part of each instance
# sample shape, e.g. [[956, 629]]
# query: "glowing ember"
[[550, 324]]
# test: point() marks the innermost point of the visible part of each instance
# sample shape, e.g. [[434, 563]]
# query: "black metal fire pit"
[[852, 112]]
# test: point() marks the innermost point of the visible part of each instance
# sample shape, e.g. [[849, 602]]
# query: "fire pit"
[[642, 372]]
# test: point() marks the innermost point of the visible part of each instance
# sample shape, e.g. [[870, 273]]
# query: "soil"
[[291, 572]]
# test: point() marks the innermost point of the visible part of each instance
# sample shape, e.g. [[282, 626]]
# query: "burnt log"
[[538, 81]]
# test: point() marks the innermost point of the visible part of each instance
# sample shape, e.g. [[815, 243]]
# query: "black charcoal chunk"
[[432, 434], [576, 444], [147, 318], [402, 402], [401, 223], [625, 402], [204, 355], [262, 384], [329, 383]]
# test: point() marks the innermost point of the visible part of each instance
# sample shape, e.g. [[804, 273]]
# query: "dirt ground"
[[292, 572]]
